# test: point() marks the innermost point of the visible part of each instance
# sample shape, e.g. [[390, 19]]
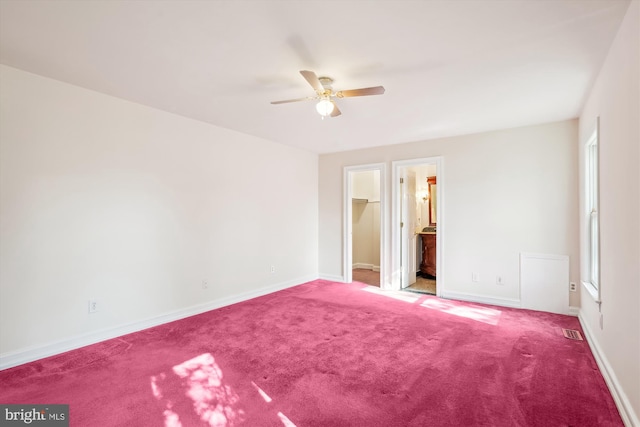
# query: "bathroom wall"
[[422, 207]]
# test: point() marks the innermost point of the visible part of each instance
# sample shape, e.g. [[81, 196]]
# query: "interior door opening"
[[417, 228], [364, 225]]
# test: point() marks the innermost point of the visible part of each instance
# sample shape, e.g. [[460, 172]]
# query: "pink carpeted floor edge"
[[330, 354]]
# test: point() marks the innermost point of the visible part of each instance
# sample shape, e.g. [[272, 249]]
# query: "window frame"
[[591, 273]]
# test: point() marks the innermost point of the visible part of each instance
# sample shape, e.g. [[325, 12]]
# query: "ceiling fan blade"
[[313, 80], [377, 90], [293, 100], [336, 111]]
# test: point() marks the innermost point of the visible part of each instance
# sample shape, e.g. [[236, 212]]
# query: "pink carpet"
[[328, 354]]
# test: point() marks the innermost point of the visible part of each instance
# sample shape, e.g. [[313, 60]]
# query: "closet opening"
[[364, 225]]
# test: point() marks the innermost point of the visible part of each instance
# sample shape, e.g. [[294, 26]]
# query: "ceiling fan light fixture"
[[325, 107]]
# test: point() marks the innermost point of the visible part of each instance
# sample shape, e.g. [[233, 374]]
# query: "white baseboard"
[[366, 266], [503, 302], [332, 278], [15, 358], [628, 415], [362, 266]]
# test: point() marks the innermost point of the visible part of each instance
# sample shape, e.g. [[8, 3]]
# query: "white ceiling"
[[449, 67]]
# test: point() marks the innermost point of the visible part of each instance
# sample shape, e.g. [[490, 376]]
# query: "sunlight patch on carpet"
[[481, 314], [261, 392], [199, 379], [283, 418], [402, 296], [285, 421]]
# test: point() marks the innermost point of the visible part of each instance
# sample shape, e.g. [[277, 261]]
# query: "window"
[[592, 270]]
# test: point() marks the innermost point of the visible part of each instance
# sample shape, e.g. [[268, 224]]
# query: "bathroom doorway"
[[417, 225]]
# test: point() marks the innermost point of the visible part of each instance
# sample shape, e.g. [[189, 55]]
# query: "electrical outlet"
[[273, 268], [499, 280], [475, 277], [572, 286], [93, 306], [205, 284]]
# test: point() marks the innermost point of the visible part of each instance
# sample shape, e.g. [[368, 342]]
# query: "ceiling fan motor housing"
[[326, 82]]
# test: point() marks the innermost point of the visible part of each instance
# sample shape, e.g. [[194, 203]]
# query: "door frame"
[[396, 232], [407, 205], [347, 239]]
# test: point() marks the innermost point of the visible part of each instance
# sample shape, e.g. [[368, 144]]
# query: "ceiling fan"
[[325, 94]]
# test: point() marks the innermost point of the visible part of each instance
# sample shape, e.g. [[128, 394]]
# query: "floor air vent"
[[572, 334]]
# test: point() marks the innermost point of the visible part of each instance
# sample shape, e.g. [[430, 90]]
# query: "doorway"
[[364, 223], [417, 225]]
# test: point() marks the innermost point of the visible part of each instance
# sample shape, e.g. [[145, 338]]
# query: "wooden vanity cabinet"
[[428, 264]]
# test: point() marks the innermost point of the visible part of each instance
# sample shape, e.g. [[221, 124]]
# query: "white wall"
[[505, 192], [107, 199], [615, 98]]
